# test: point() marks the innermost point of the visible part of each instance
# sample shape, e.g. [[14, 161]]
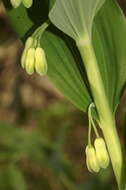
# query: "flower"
[[40, 61], [91, 159], [101, 153], [27, 3], [34, 59], [15, 3], [30, 61], [28, 45]]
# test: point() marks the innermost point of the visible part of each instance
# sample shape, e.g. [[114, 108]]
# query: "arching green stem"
[[107, 120]]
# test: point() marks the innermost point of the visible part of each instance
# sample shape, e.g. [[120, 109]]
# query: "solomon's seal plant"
[[84, 48]]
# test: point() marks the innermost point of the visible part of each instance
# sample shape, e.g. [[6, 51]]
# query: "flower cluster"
[[26, 3], [96, 155], [34, 58]]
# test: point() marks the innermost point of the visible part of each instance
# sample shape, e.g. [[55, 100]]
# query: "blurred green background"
[[42, 135]]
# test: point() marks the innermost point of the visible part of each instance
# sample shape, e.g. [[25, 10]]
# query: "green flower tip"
[[26, 3]]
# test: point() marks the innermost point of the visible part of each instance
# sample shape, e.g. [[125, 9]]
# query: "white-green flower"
[[30, 61], [40, 61], [28, 44], [15, 3], [101, 153], [91, 160], [34, 59]]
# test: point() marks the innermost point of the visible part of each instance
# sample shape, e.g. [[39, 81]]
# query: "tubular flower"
[[40, 61], [34, 58], [91, 159], [15, 3], [30, 61], [28, 45], [101, 153]]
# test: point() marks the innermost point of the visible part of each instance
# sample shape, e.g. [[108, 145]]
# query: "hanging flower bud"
[[28, 45], [27, 3], [91, 159], [40, 61], [30, 61], [101, 153], [15, 3], [33, 57]]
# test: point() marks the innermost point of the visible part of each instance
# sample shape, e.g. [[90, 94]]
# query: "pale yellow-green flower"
[[91, 160], [40, 61], [15, 3], [34, 59], [101, 153], [27, 3], [28, 44], [30, 61]]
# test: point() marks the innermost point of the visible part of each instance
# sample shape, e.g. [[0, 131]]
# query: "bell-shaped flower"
[[40, 61], [91, 160], [30, 61], [101, 153], [15, 3]]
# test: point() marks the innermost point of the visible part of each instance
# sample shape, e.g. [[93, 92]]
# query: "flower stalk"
[[106, 118]]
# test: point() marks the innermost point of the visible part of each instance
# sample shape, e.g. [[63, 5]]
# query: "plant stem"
[[106, 118]]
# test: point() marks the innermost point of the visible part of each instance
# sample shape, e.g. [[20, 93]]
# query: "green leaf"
[[109, 39], [64, 63], [63, 69], [75, 17]]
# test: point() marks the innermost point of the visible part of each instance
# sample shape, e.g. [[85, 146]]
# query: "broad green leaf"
[[109, 42], [109, 39], [75, 17], [63, 68], [63, 71]]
